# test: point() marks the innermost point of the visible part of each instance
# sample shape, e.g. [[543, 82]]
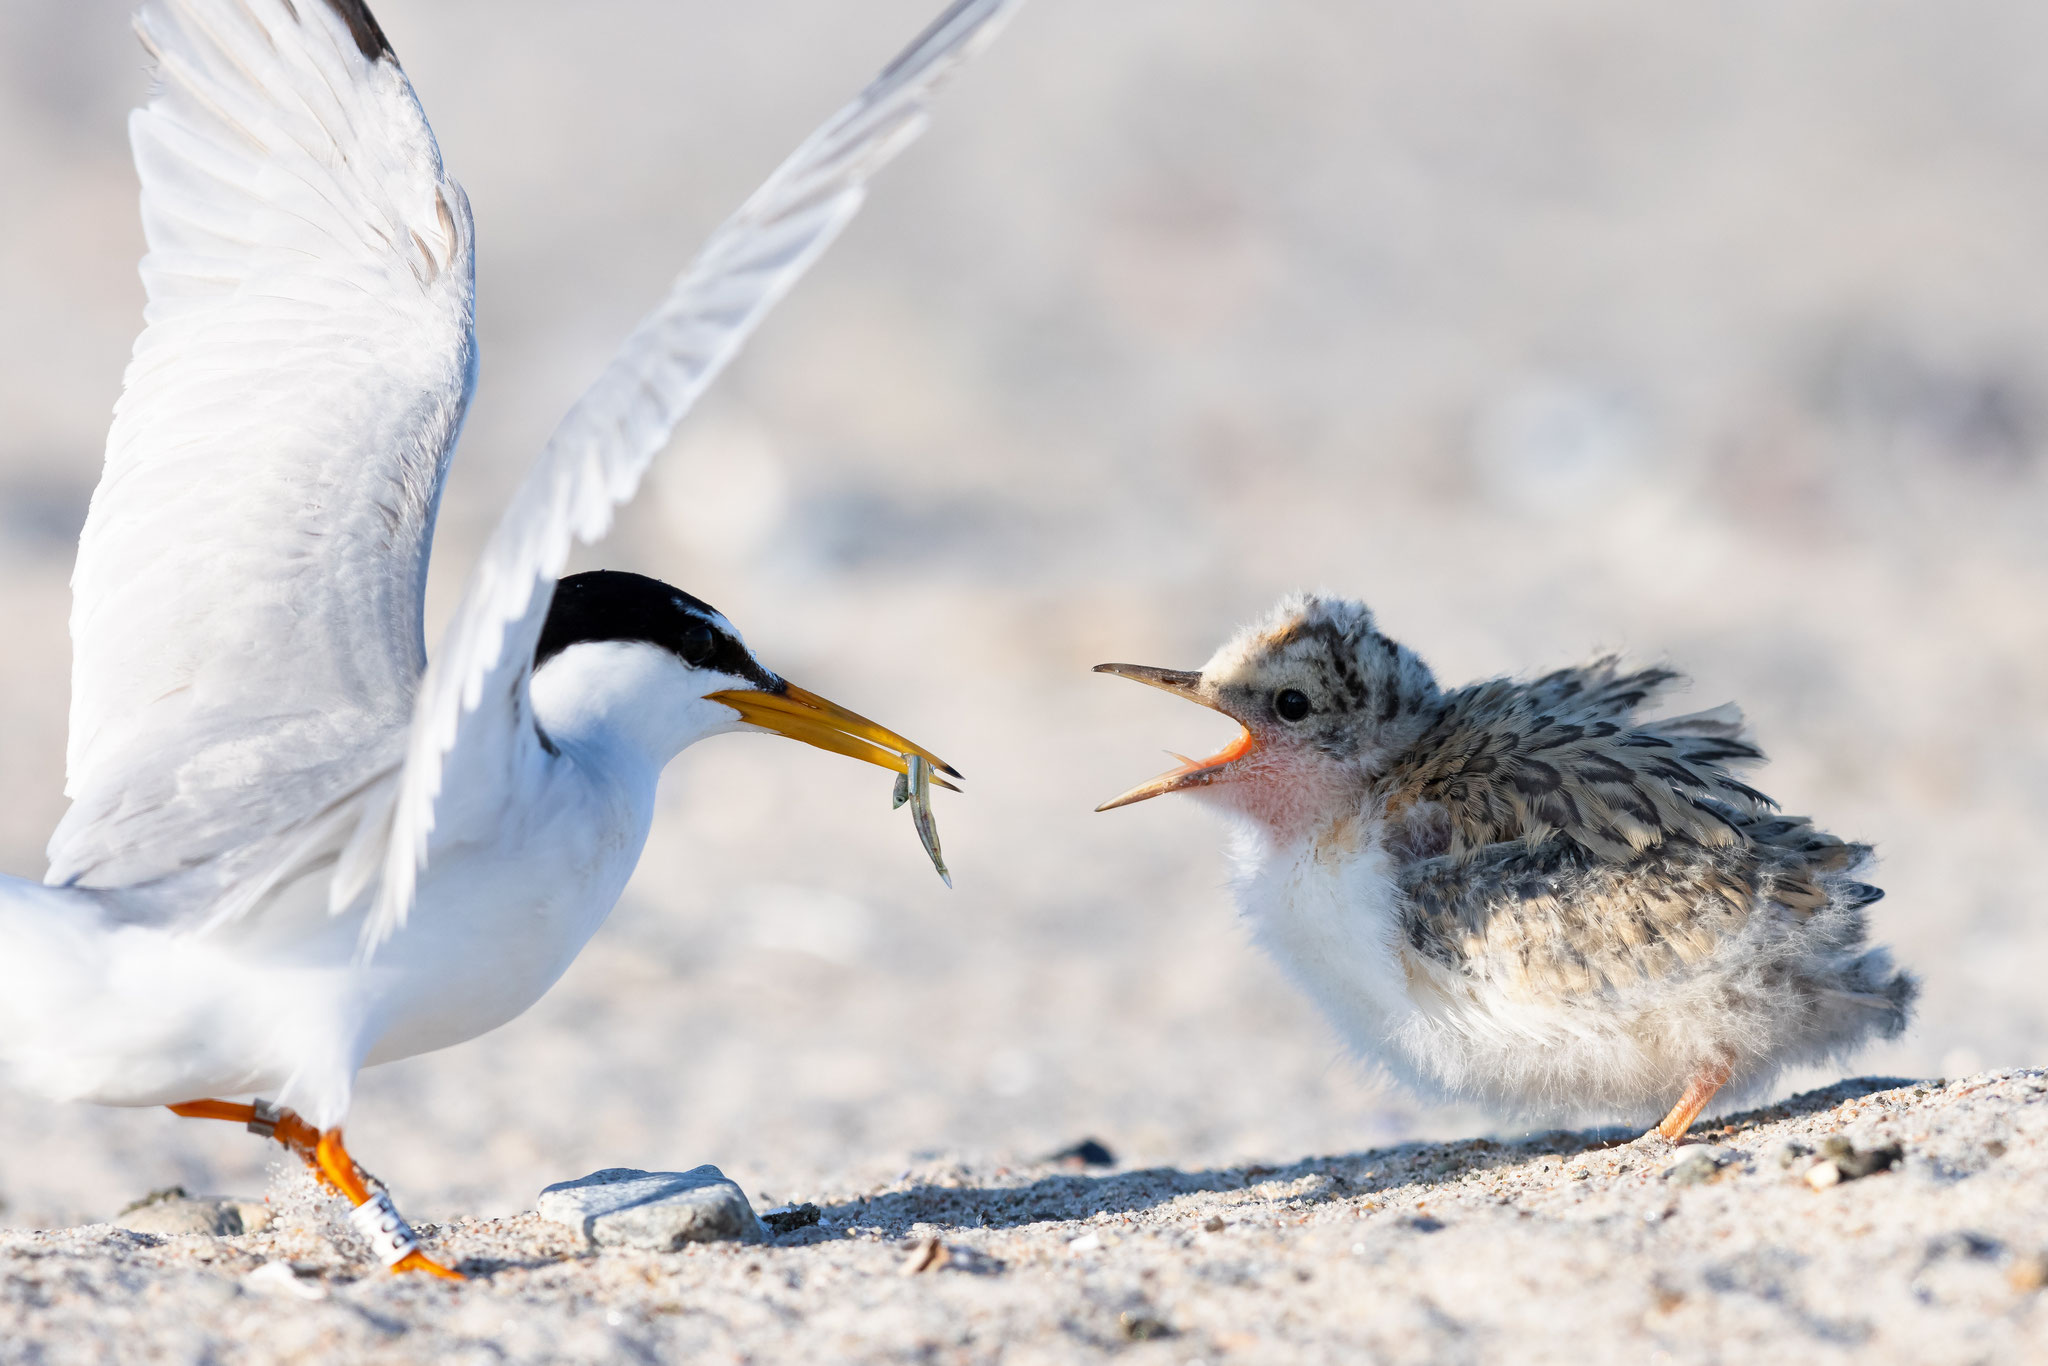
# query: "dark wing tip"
[[363, 27]]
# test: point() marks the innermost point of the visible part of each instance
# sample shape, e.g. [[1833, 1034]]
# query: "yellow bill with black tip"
[[803, 715]]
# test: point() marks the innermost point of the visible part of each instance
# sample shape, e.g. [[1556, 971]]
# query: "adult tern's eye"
[[696, 644], [1291, 704]]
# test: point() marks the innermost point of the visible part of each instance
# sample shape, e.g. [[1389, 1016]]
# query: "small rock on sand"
[[1842, 1161], [1696, 1166], [789, 1218], [1089, 1152], [1854, 1162], [282, 1278], [172, 1213], [661, 1211]]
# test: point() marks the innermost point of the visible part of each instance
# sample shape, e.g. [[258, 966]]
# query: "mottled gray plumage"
[[1522, 891], [1554, 920]]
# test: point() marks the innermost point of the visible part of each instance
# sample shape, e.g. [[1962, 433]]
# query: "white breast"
[[1327, 909], [500, 918]]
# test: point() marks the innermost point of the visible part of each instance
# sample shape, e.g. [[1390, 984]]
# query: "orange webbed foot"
[[420, 1261], [375, 1219]]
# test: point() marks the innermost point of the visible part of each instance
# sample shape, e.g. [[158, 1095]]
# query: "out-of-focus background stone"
[[1714, 333]]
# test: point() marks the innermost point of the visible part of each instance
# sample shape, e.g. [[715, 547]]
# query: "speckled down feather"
[[1558, 921], [1508, 760]]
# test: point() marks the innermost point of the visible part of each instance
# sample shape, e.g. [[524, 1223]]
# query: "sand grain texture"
[[1576, 1247]]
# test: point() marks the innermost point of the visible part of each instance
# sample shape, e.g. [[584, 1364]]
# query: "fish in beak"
[[1192, 772], [803, 715]]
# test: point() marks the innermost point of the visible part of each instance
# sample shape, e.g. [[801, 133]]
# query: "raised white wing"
[[475, 688], [246, 615]]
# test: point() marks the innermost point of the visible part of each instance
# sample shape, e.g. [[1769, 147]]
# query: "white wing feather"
[[247, 599], [595, 459]]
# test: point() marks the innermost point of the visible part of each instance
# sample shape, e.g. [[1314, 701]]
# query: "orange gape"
[[376, 1220]]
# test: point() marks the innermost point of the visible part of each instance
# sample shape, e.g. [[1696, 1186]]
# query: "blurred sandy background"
[[1714, 333]]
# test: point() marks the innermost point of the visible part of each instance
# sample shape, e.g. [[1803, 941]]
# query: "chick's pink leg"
[[1698, 1092]]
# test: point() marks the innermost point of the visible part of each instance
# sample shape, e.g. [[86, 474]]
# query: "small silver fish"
[[915, 787]]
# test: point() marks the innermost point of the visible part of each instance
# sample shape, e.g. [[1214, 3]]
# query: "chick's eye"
[[696, 644], [1291, 704]]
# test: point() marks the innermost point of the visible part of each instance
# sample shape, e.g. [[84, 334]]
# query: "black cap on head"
[[608, 604]]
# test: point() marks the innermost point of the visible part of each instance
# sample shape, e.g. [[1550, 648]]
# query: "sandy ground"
[[1564, 1247], [1711, 333]]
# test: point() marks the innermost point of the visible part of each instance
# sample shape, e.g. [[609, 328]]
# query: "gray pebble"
[[789, 1218], [173, 1214], [1143, 1327], [1853, 1162], [1698, 1165], [660, 1211]]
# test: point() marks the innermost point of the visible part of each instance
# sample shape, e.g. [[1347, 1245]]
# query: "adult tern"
[[296, 846]]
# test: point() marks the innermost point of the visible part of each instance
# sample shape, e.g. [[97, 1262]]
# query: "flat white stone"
[[621, 1207], [219, 1217], [278, 1278]]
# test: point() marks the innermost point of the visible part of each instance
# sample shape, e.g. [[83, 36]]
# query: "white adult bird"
[[295, 847]]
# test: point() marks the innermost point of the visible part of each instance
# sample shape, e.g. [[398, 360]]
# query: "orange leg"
[[375, 1218], [1705, 1083], [271, 1122]]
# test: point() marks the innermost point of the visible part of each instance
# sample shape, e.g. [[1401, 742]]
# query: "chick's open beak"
[[1192, 772], [803, 715]]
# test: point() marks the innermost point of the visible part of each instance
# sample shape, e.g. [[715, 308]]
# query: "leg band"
[[263, 1118], [377, 1222]]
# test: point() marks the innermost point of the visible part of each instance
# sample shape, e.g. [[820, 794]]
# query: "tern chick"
[[1523, 893]]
